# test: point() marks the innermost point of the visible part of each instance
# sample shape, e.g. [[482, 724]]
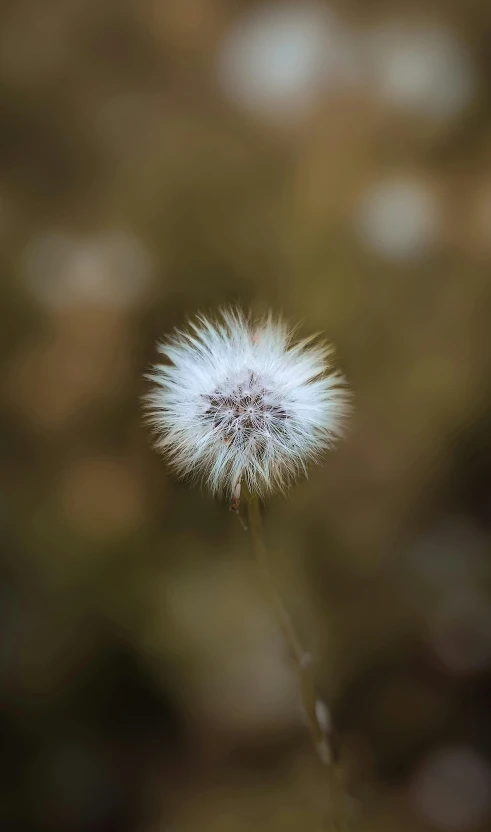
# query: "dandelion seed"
[[239, 402]]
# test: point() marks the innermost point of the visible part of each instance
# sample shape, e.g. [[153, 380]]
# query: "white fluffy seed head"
[[238, 402]]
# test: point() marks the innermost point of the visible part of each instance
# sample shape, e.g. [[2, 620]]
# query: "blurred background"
[[331, 160]]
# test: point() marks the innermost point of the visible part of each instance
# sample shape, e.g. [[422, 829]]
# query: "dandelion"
[[240, 403]]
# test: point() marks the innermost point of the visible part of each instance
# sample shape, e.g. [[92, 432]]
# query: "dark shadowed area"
[[331, 161]]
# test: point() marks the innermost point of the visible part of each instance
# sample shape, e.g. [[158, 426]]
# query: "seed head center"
[[245, 409]]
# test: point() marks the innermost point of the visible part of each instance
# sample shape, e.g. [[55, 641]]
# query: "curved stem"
[[302, 659]]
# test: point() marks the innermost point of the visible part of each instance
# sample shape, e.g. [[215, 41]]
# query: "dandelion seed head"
[[238, 401]]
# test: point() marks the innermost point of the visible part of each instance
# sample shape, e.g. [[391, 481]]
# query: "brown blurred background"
[[332, 160]]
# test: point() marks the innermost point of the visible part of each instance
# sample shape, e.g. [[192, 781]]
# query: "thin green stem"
[[301, 657]]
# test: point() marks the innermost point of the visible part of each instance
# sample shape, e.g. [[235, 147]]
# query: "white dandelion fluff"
[[239, 402]]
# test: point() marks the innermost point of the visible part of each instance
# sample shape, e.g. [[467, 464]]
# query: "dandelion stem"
[[302, 659]]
